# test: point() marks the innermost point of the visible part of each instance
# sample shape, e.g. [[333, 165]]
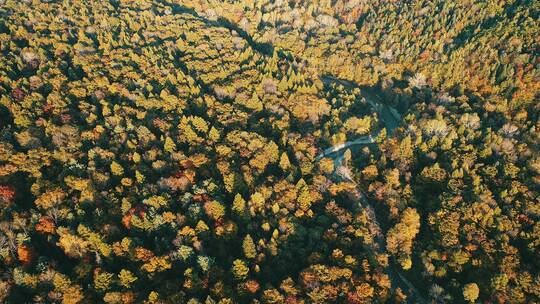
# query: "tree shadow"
[[6, 119], [264, 48]]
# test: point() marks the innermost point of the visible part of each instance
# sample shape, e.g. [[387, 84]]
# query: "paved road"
[[386, 113], [391, 119], [364, 140]]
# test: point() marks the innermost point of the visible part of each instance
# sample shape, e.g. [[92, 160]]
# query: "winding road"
[[391, 119]]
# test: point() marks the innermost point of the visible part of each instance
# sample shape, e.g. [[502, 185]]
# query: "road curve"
[[391, 119]]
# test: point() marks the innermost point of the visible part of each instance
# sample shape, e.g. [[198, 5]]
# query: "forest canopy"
[[326, 151]]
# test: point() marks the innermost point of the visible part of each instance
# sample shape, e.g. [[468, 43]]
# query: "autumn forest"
[[269, 151]]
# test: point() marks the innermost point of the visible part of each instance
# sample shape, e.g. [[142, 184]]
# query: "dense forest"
[[269, 151]]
